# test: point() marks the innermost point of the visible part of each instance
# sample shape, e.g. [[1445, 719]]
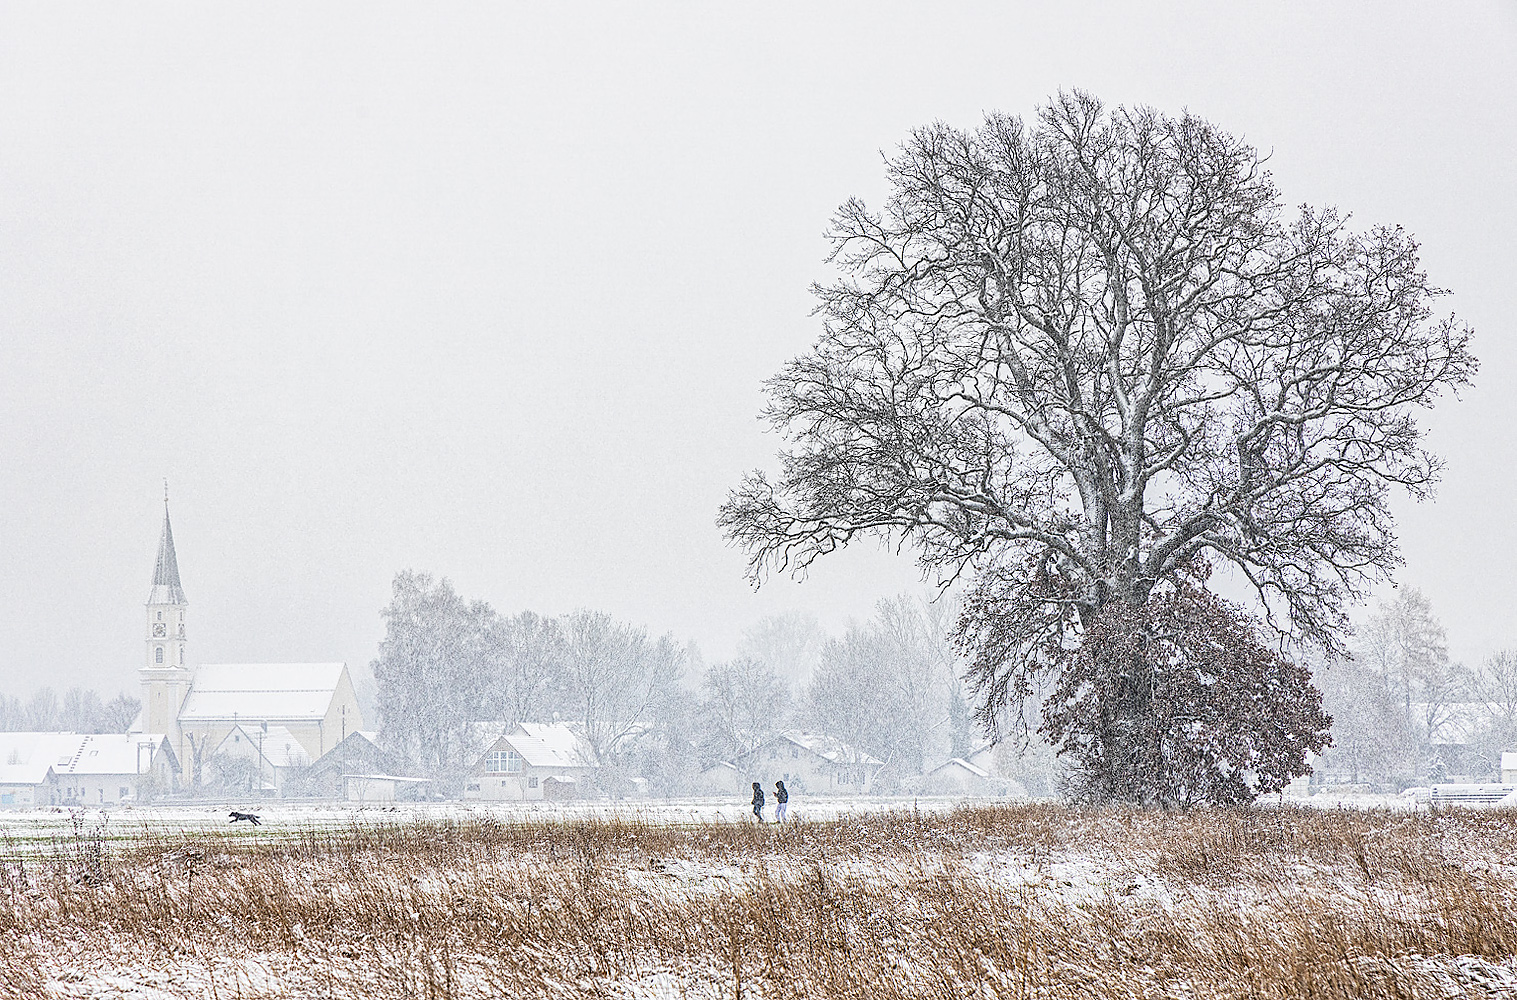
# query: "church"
[[201, 708]]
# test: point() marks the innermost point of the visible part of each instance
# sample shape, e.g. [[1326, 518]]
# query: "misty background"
[[490, 293]]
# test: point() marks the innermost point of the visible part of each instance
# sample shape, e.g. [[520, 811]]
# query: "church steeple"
[[165, 674], [166, 588]]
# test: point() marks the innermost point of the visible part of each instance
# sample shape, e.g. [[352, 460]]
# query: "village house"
[[530, 763], [358, 754], [808, 762], [959, 776], [39, 769], [269, 755]]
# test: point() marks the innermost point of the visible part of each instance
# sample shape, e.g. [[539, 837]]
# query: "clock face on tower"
[[158, 629]]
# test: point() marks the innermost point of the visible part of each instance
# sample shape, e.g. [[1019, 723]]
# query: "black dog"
[[247, 816]]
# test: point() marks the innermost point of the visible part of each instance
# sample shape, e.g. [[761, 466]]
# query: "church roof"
[[166, 588], [252, 692]]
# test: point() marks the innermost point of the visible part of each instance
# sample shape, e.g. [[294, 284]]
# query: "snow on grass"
[[1012, 900]]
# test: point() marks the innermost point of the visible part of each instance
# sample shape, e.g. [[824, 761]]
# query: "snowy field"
[[861, 898], [30, 830]]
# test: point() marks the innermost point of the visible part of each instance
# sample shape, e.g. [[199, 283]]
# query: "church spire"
[[166, 588]]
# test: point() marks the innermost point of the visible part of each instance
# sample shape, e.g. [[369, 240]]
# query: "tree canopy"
[[1070, 356]]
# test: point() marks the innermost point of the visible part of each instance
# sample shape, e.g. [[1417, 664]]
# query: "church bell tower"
[[165, 674]]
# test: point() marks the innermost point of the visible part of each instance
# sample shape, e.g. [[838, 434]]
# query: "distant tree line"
[[80, 710], [649, 707]]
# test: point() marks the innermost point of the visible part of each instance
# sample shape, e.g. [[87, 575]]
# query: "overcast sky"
[[488, 291]]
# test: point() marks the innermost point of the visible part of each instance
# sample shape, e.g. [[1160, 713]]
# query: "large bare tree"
[[1071, 356]]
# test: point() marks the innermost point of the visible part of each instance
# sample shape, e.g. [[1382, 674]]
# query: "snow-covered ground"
[[1071, 882], [24, 830]]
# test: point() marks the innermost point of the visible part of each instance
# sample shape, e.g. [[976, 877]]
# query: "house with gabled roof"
[[38, 769], [270, 755], [810, 762], [531, 762], [961, 776], [200, 706]]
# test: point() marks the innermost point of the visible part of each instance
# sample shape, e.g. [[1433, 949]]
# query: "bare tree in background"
[[1071, 356], [1405, 644], [885, 686], [525, 657], [743, 704], [431, 677], [43, 713], [790, 643], [615, 681], [1492, 689], [81, 711], [118, 714]]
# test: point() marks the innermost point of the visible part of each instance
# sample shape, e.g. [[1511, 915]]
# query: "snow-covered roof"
[[114, 753], [278, 745], [961, 764], [295, 692], [26, 758], [829, 748], [547, 746]]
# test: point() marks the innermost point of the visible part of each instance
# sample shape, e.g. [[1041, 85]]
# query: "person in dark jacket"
[[781, 801], [758, 802]]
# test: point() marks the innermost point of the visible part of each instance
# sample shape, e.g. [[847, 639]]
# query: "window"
[[795, 753], [503, 762], [123, 792], [160, 616], [532, 782], [158, 655]]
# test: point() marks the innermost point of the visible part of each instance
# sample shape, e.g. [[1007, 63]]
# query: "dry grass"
[[1014, 901]]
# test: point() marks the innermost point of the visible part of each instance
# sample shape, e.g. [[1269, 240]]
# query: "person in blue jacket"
[[781, 801]]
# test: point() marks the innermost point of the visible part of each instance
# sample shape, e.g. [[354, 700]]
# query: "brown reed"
[[1015, 901]]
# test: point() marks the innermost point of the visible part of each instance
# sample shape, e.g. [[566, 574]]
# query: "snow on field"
[[28, 829], [1089, 865], [20, 828]]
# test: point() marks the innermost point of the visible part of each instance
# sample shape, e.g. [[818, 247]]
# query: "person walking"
[[781, 801], [758, 802]]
